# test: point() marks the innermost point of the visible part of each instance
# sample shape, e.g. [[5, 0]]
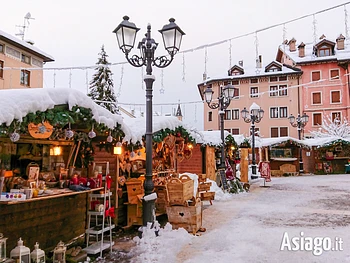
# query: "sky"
[[74, 31]]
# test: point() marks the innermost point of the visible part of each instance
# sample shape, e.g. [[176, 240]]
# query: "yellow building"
[[21, 63]]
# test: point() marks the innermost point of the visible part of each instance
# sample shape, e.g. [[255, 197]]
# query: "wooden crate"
[[207, 196], [204, 187], [134, 187], [180, 190], [187, 217], [134, 214], [162, 198]]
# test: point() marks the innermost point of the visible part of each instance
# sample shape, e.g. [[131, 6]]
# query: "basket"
[[180, 190]]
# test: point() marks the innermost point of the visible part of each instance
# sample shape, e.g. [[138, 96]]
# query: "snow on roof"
[[320, 142], [264, 142], [24, 44], [17, 103], [213, 138], [310, 57]]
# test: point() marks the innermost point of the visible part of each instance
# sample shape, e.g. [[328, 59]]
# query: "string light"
[[346, 22], [183, 68]]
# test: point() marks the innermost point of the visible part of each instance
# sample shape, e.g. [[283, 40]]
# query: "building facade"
[[274, 87], [325, 78], [21, 63]]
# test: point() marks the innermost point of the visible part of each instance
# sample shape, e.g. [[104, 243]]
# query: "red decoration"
[[110, 212], [178, 134]]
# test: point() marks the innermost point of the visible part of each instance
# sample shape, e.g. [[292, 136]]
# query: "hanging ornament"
[[42, 128], [69, 133], [14, 137], [132, 154], [139, 153], [109, 138], [92, 134]]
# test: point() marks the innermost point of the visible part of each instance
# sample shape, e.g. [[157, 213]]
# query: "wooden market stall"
[[46, 151]]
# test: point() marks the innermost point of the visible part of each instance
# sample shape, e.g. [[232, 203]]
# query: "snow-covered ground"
[[249, 227]]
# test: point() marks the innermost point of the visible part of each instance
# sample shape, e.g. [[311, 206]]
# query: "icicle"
[[162, 90], [346, 22], [183, 68], [121, 81], [230, 55], [70, 78], [314, 25]]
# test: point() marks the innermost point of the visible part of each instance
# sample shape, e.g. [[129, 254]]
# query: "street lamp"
[[299, 122], [172, 36], [254, 116], [224, 99]]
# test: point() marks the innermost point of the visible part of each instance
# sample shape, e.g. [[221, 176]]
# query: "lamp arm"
[[247, 120], [135, 60], [295, 125], [162, 61], [213, 105]]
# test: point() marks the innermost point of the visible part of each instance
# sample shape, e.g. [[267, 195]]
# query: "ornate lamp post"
[[172, 36], [224, 99], [299, 122], [255, 116]]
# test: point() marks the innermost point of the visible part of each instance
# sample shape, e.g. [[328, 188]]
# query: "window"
[[1, 48], [316, 119], [335, 96], [227, 115], [279, 132], [273, 69], [210, 116], [283, 131], [273, 91], [324, 51], [236, 93], [334, 74], [1, 69], [282, 90], [283, 78], [336, 117], [25, 77], [274, 132], [235, 82], [25, 59], [235, 131], [228, 130], [235, 114], [283, 112], [316, 98], [273, 79], [274, 112], [253, 92], [316, 75], [253, 80]]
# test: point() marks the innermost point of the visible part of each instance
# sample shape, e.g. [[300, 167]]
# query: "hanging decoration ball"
[[69, 134], [139, 153], [92, 134], [14, 137], [42, 128], [109, 138], [132, 154], [178, 134]]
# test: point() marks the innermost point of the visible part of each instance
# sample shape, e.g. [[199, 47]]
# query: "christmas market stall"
[[47, 165]]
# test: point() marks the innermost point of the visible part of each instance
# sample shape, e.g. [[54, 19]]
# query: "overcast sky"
[[74, 31]]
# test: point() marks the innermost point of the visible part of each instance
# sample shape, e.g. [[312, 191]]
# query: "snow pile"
[[162, 248], [220, 195]]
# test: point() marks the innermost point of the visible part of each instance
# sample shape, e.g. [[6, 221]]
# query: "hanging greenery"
[[230, 142], [179, 132], [245, 143]]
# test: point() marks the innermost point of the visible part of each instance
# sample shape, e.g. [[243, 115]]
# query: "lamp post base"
[[254, 176], [148, 211]]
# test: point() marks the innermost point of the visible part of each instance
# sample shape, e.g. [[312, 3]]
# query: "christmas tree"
[[101, 86]]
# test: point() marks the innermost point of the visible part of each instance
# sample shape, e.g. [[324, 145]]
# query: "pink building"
[[269, 87], [325, 78]]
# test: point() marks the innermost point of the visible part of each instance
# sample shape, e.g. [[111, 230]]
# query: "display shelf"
[[95, 213], [94, 195], [98, 247], [98, 229]]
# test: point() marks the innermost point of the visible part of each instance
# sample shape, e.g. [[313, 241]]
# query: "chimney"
[[259, 62], [301, 49], [240, 63], [291, 44], [340, 42], [322, 37]]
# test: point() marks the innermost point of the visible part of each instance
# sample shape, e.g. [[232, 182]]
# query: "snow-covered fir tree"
[[329, 127], [101, 88]]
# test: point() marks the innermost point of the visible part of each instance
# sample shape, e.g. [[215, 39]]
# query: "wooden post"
[[266, 154], [116, 198], [244, 165]]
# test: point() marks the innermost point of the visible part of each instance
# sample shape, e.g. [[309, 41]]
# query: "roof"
[[251, 72], [25, 46], [309, 57]]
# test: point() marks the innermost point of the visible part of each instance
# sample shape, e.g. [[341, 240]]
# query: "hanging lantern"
[[20, 253], [37, 255], [59, 253], [118, 148], [2, 246], [14, 137]]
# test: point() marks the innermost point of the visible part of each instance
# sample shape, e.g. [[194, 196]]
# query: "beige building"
[[21, 63], [273, 87]]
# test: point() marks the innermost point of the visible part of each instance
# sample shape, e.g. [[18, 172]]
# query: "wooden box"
[[207, 196], [180, 190], [134, 214], [204, 187], [188, 217], [134, 187]]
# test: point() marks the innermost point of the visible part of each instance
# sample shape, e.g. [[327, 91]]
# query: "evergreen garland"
[[101, 86]]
